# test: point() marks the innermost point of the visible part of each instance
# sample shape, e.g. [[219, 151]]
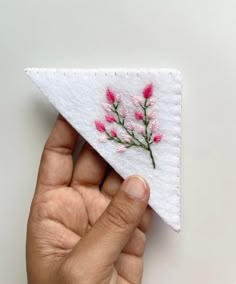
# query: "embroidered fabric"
[[78, 94]]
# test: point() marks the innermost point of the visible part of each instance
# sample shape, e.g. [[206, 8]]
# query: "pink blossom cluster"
[[142, 133]]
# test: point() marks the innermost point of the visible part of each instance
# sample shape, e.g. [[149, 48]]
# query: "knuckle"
[[39, 212], [44, 206], [141, 247], [119, 216], [136, 244]]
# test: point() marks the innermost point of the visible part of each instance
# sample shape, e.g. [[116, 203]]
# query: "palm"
[[66, 213]]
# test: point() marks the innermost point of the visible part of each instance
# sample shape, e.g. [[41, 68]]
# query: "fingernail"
[[136, 187]]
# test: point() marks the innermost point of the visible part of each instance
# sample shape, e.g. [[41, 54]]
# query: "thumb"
[[112, 231]]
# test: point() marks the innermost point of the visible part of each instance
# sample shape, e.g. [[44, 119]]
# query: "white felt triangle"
[[84, 97]]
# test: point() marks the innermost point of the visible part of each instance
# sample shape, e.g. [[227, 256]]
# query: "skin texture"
[[84, 226]]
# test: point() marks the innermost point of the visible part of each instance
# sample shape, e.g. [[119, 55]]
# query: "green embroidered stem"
[[130, 133], [146, 136], [118, 140], [134, 140], [151, 155]]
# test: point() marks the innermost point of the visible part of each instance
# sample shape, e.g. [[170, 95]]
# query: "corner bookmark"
[[132, 118]]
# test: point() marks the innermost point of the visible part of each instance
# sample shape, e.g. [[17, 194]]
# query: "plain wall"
[[197, 37]]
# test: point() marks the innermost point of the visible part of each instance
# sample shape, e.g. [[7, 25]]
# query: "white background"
[[197, 37]]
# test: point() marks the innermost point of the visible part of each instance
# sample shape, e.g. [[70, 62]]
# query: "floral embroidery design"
[[140, 132]]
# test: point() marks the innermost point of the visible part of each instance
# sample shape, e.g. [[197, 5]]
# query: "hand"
[[84, 226]]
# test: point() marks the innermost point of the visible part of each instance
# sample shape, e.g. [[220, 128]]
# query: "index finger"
[[56, 165]]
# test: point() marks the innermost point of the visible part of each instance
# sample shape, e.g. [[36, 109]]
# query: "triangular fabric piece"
[[132, 118]]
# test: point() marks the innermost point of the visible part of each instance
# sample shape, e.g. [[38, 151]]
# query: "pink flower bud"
[[123, 112], [113, 133], [151, 114], [131, 125], [100, 126], [147, 92], [121, 149], [106, 107], [102, 139], [110, 118], [153, 126], [138, 115], [110, 96], [157, 138], [119, 98], [140, 129], [152, 101], [126, 137], [137, 101]]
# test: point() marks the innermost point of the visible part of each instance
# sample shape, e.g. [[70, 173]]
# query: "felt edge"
[[29, 70]]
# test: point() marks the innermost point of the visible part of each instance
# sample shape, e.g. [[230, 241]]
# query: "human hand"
[[84, 227]]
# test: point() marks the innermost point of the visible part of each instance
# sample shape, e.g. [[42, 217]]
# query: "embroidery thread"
[[134, 134]]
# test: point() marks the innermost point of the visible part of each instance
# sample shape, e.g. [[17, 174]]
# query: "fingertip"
[[137, 187]]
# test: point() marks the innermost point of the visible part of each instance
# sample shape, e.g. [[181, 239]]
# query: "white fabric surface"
[[78, 95]]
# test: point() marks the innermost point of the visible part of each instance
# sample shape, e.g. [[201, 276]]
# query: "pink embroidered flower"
[[110, 96], [100, 126], [102, 138], [131, 125], [151, 115], [123, 112], [110, 118], [152, 101], [140, 133], [113, 133], [118, 98], [137, 101], [107, 107], [138, 115], [121, 149], [157, 138], [140, 129], [147, 92], [126, 137], [153, 126]]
